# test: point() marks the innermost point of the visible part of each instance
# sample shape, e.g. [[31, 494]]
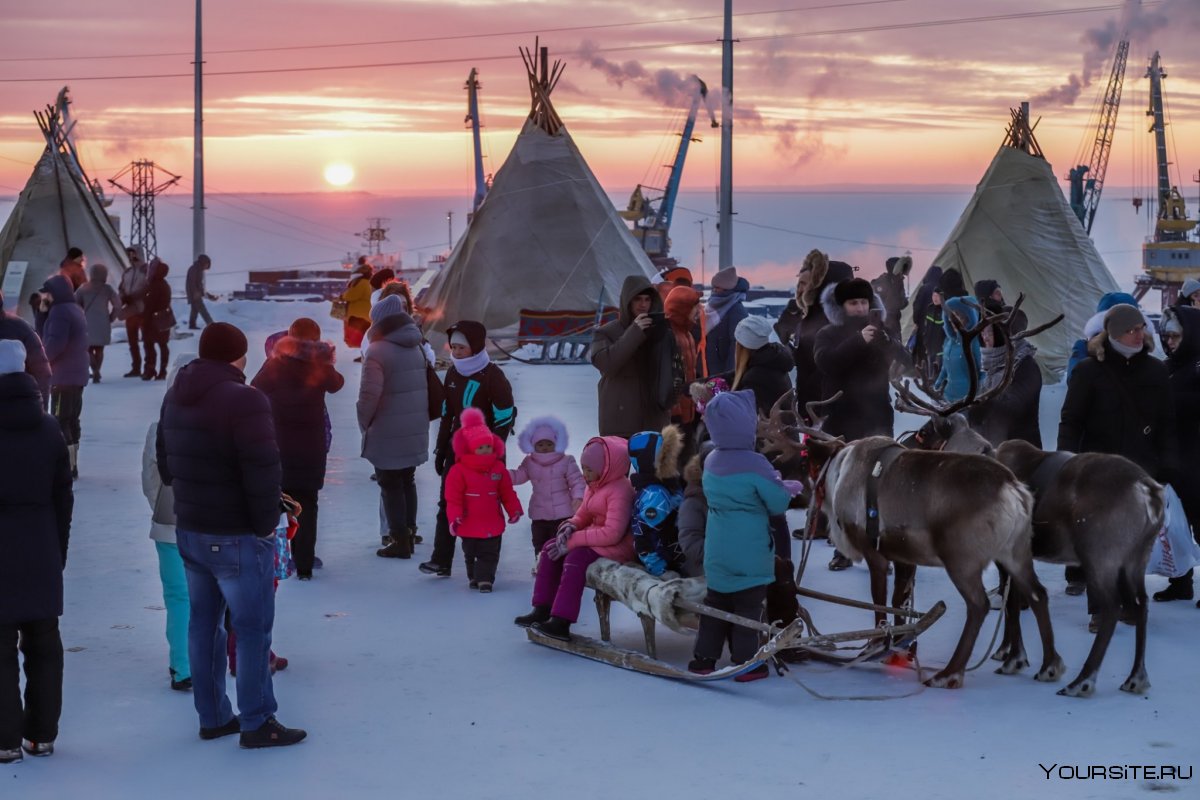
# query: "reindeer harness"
[[883, 459], [1045, 475]]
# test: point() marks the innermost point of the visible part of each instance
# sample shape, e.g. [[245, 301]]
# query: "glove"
[[654, 563], [553, 550], [454, 526], [564, 536], [566, 526], [513, 519], [439, 463], [794, 487]]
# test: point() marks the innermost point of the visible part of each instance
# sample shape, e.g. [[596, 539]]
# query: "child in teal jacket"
[[743, 492]]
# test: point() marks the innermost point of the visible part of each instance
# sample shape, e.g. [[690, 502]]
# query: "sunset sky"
[[822, 98]]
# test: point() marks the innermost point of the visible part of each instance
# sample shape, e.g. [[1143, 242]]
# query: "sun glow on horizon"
[[339, 173]]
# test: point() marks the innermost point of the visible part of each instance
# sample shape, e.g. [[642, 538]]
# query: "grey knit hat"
[[753, 333]]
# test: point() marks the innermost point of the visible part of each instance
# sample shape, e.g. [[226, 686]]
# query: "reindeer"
[[948, 428], [1102, 512], [957, 511]]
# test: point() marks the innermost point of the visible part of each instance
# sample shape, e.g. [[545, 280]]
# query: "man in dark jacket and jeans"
[[216, 449], [35, 524]]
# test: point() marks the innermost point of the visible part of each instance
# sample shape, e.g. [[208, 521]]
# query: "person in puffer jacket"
[[558, 485], [693, 514], [479, 495], [658, 493], [954, 380], [599, 529], [743, 492]]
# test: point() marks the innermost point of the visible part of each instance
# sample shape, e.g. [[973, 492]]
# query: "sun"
[[338, 173]]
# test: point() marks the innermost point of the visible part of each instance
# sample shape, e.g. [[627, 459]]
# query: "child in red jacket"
[[479, 495]]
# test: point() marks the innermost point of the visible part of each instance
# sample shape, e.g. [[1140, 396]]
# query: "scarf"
[[471, 364], [1128, 352], [717, 305], [993, 362]]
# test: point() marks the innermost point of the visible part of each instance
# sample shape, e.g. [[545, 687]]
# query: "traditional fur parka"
[[658, 493]]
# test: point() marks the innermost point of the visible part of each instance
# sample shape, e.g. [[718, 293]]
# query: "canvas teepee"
[[57, 210], [1018, 229], [547, 237]]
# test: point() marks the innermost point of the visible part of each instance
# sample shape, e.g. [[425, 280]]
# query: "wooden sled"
[[682, 614]]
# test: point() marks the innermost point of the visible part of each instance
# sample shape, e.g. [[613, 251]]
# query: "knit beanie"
[[221, 341], [1122, 318], [753, 333], [594, 456], [1171, 324], [12, 356], [305, 329], [951, 284], [474, 331], [853, 289], [1190, 287], [725, 280], [985, 287], [387, 307], [474, 431]]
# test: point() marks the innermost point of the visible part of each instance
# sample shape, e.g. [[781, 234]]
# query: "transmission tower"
[[375, 235], [142, 175]]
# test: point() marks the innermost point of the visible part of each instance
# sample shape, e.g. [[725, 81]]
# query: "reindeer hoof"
[[943, 680], [1013, 666], [1051, 672], [1136, 684], [1082, 688], [1001, 653]]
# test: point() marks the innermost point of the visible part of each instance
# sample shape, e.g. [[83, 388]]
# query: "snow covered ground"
[[413, 686]]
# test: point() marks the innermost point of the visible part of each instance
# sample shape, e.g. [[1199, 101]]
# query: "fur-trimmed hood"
[[834, 312], [303, 350], [526, 440], [1096, 343], [655, 456]]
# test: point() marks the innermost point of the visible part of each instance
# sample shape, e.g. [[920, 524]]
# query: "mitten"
[[455, 525], [564, 536], [794, 487], [566, 526], [654, 563], [553, 551], [513, 519]]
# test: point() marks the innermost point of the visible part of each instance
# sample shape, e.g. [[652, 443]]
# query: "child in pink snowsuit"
[[558, 485], [479, 495], [599, 529]]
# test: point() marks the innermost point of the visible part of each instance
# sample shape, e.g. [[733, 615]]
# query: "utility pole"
[[198, 145], [725, 225], [449, 230], [703, 248], [143, 190]]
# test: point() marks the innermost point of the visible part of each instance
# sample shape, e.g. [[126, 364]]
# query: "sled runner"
[[675, 602]]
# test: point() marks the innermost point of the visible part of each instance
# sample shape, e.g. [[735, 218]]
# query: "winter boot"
[[839, 562], [1177, 589], [433, 568], [276, 663], [539, 614], [38, 749], [400, 547], [1076, 588], [180, 684], [11, 756], [136, 372], [416, 537], [272, 734], [228, 729], [756, 674], [555, 628], [73, 453], [702, 666]]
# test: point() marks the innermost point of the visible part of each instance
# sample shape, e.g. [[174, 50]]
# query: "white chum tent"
[[547, 237], [1019, 230], [58, 209]]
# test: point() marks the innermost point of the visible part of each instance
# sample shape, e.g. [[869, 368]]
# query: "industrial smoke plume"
[[1139, 23]]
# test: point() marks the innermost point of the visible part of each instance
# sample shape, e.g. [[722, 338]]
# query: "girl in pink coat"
[[599, 529], [558, 485], [479, 496]]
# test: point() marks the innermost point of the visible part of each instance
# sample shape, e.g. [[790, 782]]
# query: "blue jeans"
[[238, 571], [175, 597]]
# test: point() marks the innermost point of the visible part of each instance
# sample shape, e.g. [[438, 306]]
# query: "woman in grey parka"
[[100, 305], [393, 416]]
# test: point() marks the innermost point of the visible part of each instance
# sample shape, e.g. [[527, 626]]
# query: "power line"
[[627, 48], [461, 36], [264, 230]]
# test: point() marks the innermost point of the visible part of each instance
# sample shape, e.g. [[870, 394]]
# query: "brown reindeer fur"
[[1102, 512], [957, 511]]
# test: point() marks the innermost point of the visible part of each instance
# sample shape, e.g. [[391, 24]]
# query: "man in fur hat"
[[855, 357]]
